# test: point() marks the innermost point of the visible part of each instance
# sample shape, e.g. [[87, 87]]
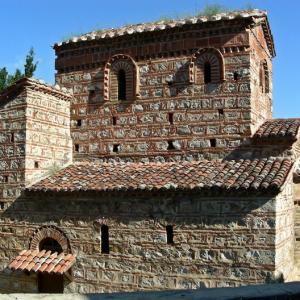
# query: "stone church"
[[153, 163]]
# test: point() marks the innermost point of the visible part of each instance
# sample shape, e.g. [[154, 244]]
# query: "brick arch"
[[50, 232], [216, 60], [113, 66]]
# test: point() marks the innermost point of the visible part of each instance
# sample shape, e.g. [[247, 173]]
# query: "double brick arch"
[[121, 78], [50, 232], [207, 65]]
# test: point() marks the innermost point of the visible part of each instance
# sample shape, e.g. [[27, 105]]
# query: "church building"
[[153, 163]]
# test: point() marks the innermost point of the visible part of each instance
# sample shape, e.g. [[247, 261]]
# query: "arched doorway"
[[50, 283]]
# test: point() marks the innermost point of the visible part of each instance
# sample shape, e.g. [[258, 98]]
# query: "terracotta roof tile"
[[42, 261], [279, 128], [176, 23], [241, 174]]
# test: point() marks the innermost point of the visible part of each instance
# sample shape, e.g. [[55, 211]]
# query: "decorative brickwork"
[[213, 59], [116, 64], [50, 232]]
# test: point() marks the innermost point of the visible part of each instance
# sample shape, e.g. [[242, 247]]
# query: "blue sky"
[[40, 23]]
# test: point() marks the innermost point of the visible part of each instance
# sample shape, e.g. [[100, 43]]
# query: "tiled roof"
[[255, 174], [279, 128], [58, 91], [167, 24], [42, 261]]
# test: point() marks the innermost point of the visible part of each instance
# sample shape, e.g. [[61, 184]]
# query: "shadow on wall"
[[253, 148], [211, 207]]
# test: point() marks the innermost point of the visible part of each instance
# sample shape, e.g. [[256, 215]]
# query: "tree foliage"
[[30, 66], [213, 9]]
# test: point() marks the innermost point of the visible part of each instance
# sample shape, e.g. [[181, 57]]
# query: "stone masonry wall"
[[34, 140], [171, 117], [12, 149], [285, 233], [218, 241], [48, 140], [261, 92]]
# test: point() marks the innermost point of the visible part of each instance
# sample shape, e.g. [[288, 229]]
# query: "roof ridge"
[[30, 81], [161, 25]]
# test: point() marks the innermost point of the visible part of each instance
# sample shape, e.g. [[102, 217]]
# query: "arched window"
[[121, 85], [104, 239], [207, 72], [50, 244], [121, 78], [207, 66]]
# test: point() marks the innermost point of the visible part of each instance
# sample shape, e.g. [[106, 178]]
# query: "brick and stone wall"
[[12, 149], [48, 140], [218, 241], [172, 113], [34, 137]]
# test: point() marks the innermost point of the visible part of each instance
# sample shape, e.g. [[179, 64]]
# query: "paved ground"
[[285, 291]]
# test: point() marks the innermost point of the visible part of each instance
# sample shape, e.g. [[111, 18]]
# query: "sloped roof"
[[56, 90], [42, 261], [279, 128], [167, 24], [258, 174]]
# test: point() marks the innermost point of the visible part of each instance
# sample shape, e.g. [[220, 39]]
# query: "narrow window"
[[79, 123], [170, 145], [171, 118], [104, 239], [76, 146], [114, 121], [2, 205], [121, 85], [170, 234], [207, 72], [12, 137], [5, 178], [261, 78], [116, 148], [213, 143], [36, 164], [221, 112], [266, 73]]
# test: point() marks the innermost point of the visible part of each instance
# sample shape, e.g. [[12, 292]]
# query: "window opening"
[[121, 85], [171, 119], [236, 76], [170, 234], [116, 148], [170, 145], [104, 239], [213, 143], [207, 72], [50, 244]]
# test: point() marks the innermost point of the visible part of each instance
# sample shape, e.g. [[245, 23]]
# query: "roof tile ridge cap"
[[281, 175], [55, 87], [179, 21]]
